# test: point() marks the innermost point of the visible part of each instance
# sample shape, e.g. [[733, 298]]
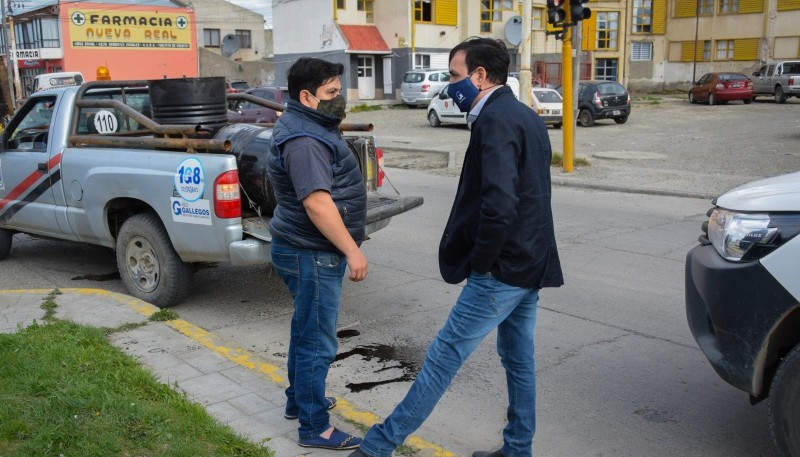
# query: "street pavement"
[[245, 392]]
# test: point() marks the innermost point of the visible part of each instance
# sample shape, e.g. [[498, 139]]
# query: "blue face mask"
[[463, 93]]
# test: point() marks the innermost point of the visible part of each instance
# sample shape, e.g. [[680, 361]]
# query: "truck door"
[[27, 172]]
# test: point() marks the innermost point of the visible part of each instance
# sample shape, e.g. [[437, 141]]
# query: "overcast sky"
[[262, 7]]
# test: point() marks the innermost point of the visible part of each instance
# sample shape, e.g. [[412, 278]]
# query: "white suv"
[[743, 298]]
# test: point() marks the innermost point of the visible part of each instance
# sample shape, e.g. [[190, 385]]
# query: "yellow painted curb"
[[277, 375]]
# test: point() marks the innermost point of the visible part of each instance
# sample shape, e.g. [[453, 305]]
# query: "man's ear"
[[306, 99]]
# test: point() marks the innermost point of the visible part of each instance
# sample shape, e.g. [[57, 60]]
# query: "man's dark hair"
[[308, 74], [488, 53]]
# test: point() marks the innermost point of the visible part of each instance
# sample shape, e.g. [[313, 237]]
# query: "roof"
[[363, 39]]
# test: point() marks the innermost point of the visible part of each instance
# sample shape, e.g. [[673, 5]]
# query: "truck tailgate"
[[380, 209]]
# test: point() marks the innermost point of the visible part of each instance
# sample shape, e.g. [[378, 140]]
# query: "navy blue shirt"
[[307, 161]]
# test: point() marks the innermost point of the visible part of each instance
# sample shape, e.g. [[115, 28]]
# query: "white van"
[[50, 80]]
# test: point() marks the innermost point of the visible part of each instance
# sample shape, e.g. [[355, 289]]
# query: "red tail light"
[[379, 159], [721, 86], [791, 80], [227, 202], [749, 83], [597, 100], [425, 88]]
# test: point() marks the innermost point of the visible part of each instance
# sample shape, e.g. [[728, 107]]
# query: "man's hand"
[[358, 265]]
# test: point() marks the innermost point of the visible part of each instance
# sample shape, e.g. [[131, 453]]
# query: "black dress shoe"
[[497, 453]]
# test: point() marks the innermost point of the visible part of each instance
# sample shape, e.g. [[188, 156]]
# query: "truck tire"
[[784, 405], [780, 97], [5, 243], [148, 264]]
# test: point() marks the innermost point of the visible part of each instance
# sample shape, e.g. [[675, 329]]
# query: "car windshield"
[[547, 96], [414, 77], [240, 85], [611, 88], [732, 77]]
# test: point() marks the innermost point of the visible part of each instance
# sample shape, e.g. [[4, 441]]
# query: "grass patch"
[[558, 161], [49, 305], [67, 391], [648, 99], [165, 314], [364, 108]]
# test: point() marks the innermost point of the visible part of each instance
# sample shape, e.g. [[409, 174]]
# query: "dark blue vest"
[[290, 222]]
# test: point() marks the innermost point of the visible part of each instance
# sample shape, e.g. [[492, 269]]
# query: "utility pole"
[[18, 88], [12, 106], [566, 83], [525, 55]]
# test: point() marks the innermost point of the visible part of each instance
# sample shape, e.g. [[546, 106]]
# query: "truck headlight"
[[733, 234]]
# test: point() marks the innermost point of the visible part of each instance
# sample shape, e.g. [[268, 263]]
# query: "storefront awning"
[[363, 39]]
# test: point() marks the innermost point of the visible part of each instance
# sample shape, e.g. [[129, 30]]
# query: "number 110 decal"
[[190, 179]]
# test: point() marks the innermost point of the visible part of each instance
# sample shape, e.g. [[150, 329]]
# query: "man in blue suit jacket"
[[500, 238]]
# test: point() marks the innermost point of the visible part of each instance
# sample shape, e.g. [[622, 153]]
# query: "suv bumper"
[[731, 309]]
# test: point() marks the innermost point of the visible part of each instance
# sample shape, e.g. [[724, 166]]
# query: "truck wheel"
[[780, 97], [784, 405], [585, 118], [557, 125], [621, 119], [433, 119], [5, 243], [148, 264]]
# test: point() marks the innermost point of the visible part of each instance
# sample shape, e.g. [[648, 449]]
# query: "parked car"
[[743, 298], [722, 87], [419, 87], [442, 110], [251, 113], [549, 105], [602, 100], [780, 80], [233, 87]]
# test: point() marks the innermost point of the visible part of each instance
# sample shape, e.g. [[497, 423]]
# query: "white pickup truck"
[[780, 80], [103, 163]]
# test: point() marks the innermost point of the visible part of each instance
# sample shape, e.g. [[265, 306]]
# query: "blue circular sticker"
[[190, 180]]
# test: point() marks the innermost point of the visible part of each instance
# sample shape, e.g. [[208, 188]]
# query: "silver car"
[[420, 86]]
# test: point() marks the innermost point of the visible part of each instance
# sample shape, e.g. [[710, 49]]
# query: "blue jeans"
[[314, 279], [485, 303]]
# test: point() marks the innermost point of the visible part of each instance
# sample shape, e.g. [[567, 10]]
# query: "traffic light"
[[555, 11], [577, 11]]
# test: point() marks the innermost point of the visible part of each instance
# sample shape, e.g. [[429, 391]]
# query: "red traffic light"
[[554, 3]]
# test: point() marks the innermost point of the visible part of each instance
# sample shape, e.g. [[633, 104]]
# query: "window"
[[538, 18], [340, 4], [244, 38], [728, 6], [607, 28], [508, 5], [706, 51], [369, 8], [706, 7], [423, 11], [724, 50], [490, 12], [605, 69], [211, 38], [642, 16], [422, 60], [641, 51]]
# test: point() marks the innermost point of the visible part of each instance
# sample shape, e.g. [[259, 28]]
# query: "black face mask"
[[334, 107]]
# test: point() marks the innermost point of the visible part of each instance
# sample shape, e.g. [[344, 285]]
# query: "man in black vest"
[[317, 228], [500, 238]]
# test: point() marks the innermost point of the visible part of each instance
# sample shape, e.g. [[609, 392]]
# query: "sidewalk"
[[236, 387]]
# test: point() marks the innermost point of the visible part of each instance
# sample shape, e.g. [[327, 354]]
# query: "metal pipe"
[[151, 143], [167, 129], [258, 101]]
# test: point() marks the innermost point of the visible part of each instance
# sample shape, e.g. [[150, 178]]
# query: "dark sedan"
[[717, 88]]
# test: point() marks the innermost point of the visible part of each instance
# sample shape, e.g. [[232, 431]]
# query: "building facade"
[[644, 44]]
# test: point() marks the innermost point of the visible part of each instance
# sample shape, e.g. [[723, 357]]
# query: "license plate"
[[616, 112], [736, 86]]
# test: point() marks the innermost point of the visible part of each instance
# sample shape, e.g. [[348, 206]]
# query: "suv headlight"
[[733, 234]]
